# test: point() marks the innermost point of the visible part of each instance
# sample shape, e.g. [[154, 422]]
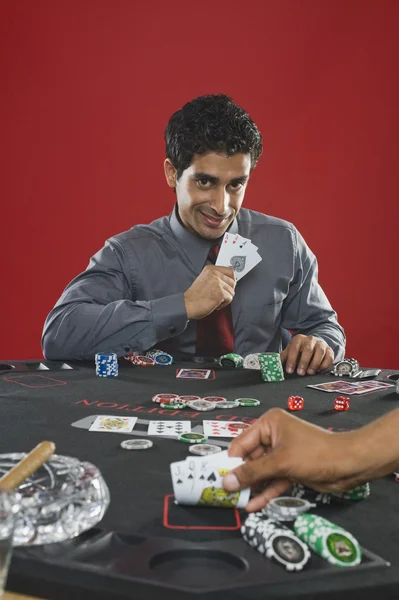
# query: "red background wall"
[[87, 87]]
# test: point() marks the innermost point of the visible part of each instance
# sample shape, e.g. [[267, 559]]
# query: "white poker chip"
[[202, 405], [136, 444], [204, 449], [228, 404]]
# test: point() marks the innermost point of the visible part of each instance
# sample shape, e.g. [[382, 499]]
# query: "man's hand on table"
[[308, 353], [213, 289], [280, 449]]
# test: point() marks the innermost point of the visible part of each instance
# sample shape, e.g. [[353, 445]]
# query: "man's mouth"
[[213, 221]]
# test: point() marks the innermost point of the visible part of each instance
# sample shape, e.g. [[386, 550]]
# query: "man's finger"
[[292, 351], [273, 490], [327, 360], [318, 356], [258, 435], [306, 356]]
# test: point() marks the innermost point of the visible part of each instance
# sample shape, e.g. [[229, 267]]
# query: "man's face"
[[210, 192]]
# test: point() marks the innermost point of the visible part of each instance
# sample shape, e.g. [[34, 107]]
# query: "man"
[[280, 449], [156, 285]]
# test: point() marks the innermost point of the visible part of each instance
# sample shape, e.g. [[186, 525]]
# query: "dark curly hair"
[[213, 123]]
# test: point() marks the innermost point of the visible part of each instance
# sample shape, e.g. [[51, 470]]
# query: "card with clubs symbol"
[[238, 253], [169, 428], [198, 481]]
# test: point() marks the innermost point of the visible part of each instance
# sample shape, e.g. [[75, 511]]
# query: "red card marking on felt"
[[14, 380], [166, 523]]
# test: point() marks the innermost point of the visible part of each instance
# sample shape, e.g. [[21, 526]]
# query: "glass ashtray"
[[59, 501]]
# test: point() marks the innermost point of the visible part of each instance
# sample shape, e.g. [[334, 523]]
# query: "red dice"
[[341, 403], [295, 403]]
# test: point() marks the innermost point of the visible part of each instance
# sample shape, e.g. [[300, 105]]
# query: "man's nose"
[[221, 202]]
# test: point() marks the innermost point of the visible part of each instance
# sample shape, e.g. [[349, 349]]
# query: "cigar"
[[28, 465]]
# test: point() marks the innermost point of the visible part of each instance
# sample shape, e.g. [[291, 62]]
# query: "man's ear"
[[170, 173]]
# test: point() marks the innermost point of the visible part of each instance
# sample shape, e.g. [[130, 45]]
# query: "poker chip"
[[275, 541], [247, 401], [165, 398], [136, 444], [251, 361], [144, 361], [361, 492], [193, 438], [163, 358], [300, 491], [337, 546], [106, 364], [287, 508], [231, 360], [215, 399], [202, 405], [271, 367], [153, 353], [204, 449], [187, 398], [227, 404], [173, 405]]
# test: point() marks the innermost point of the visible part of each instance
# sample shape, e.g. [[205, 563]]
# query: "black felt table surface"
[[43, 405]]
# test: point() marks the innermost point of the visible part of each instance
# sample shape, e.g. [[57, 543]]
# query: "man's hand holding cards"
[[238, 253], [197, 481]]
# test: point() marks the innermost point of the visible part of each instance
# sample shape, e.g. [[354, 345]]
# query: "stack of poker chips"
[[106, 364], [276, 541], [360, 492], [160, 357], [328, 540], [271, 367], [231, 360], [251, 361]]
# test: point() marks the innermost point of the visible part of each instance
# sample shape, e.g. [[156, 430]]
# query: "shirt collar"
[[195, 247]]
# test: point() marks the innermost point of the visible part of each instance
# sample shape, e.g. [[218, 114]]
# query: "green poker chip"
[[174, 405], [248, 401], [231, 360], [193, 438]]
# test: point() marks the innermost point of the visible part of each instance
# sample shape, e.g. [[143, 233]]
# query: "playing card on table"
[[370, 386], [238, 253], [229, 429], [169, 428], [112, 423], [335, 386], [198, 481]]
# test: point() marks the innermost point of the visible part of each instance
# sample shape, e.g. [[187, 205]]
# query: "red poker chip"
[[144, 361], [215, 399], [189, 398], [233, 426], [165, 398]]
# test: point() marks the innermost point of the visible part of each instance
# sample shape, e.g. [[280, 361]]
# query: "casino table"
[[147, 547]]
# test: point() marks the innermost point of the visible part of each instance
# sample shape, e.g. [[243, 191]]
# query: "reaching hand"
[[311, 353]]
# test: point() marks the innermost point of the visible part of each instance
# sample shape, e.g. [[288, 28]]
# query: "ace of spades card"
[[198, 481], [238, 253]]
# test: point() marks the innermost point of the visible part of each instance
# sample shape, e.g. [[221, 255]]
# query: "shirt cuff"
[[169, 316]]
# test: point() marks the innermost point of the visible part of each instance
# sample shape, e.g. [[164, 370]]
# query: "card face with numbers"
[[199, 481], [113, 423], [166, 428], [238, 253]]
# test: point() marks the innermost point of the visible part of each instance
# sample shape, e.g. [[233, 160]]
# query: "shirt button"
[[127, 349], [172, 329]]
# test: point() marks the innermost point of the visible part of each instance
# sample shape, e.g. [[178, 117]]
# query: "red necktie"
[[215, 333]]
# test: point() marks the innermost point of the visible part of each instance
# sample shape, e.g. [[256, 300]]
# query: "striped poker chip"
[[298, 490], [176, 405], [163, 359], [337, 546], [247, 401], [287, 508], [231, 360], [165, 398], [227, 404], [215, 399], [202, 405], [106, 364], [275, 541], [251, 361], [136, 444], [186, 398], [204, 449], [144, 361]]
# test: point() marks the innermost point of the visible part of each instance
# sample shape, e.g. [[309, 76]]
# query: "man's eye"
[[203, 182]]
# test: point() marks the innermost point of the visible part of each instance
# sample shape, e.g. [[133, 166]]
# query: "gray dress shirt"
[[131, 296]]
